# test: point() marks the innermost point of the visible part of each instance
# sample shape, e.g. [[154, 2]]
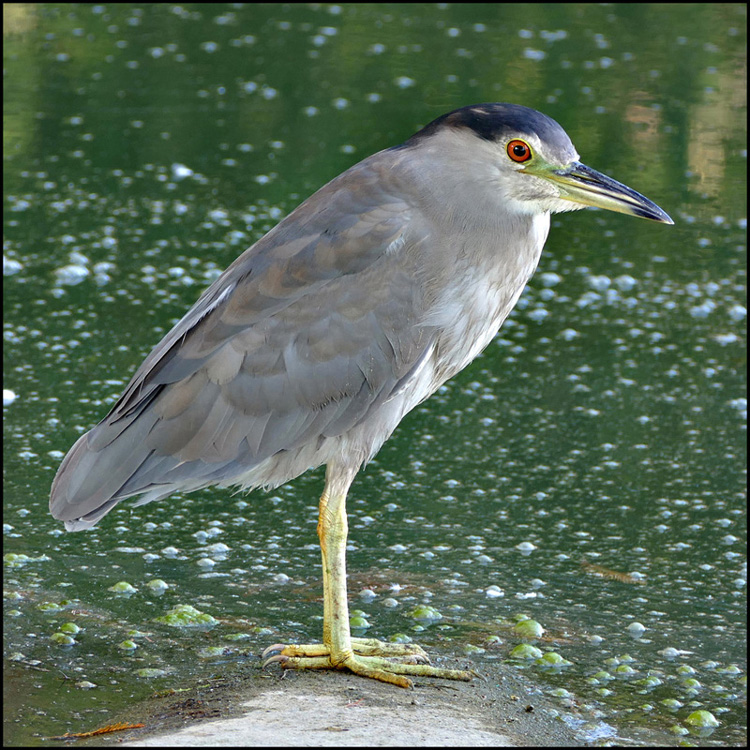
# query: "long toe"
[[387, 662], [374, 647]]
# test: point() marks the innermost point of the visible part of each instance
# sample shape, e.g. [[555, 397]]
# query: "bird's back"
[[304, 337]]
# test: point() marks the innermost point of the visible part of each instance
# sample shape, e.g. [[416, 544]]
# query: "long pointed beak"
[[581, 184]]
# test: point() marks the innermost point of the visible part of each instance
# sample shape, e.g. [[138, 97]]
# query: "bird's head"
[[529, 159]]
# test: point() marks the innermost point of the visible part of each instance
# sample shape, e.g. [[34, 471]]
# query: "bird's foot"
[[387, 662]]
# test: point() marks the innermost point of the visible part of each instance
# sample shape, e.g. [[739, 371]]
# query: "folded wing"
[[301, 339]]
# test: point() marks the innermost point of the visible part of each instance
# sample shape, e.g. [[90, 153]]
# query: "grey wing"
[[305, 335]]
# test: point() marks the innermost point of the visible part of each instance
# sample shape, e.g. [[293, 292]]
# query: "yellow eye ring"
[[518, 151]]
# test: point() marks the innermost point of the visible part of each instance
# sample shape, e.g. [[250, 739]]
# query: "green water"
[[590, 466]]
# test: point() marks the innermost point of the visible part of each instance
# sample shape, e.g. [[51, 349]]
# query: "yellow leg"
[[363, 656], [333, 529]]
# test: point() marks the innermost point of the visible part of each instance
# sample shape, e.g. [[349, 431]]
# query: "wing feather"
[[300, 339]]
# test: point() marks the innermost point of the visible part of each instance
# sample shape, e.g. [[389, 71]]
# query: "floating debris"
[[614, 575], [104, 730]]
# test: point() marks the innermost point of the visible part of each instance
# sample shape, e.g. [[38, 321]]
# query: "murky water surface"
[[587, 472]]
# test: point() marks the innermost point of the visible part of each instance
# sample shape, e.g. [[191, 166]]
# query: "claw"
[[278, 659], [279, 647]]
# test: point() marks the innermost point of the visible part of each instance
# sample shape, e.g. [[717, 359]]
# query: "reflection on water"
[[587, 472]]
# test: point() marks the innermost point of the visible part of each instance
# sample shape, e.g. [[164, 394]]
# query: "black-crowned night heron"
[[313, 345]]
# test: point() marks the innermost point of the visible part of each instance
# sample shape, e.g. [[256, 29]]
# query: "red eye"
[[519, 151]]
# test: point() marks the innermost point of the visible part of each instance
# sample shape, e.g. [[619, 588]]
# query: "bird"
[[313, 345]]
